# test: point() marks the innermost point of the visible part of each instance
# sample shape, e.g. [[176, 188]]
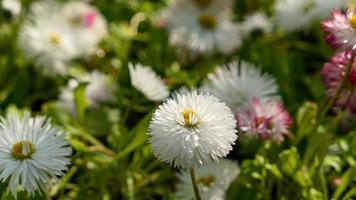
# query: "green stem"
[[323, 183], [195, 185], [332, 101]]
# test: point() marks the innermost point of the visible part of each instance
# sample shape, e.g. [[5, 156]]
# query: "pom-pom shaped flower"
[[33, 154], [213, 180], [144, 79], [237, 83], [333, 73], [341, 29], [47, 39], [202, 26], [265, 119], [192, 130]]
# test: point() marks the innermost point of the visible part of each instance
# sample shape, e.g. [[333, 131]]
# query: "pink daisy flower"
[[333, 72], [340, 29], [266, 120]]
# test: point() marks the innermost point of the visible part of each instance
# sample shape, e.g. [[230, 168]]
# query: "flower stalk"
[[195, 185], [332, 101]]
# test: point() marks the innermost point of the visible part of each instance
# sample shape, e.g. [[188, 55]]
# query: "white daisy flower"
[[87, 23], [213, 181], [192, 130], [257, 21], [99, 89], [291, 15], [294, 15], [237, 83], [33, 154], [202, 26], [47, 39], [144, 79], [13, 6]]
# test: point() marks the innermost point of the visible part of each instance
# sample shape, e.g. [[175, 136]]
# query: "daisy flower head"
[[213, 180], [192, 130], [202, 26], [47, 39], [292, 15], [266, 120], [33, 153], [257, 21], [333, 73], [340, 29], [144, 79], [237, 83], [87, 23], [99, 89]]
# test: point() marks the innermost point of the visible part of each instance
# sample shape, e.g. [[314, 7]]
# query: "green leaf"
[[345, 182]]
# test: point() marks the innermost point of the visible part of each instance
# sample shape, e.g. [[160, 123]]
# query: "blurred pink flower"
[[265, 119], [340, 29], [333, 73], [89, 19]]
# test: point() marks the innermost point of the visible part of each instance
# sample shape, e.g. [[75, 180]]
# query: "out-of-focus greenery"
[[112, 158]]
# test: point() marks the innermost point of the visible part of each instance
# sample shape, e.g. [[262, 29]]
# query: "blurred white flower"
[[66, 97], [87, 23], [99, 89], [33, 154], [13, 6], [213, 180], [192, 130], [237, 83], [202, 26], [257, 21], [144, 79], [47, 39], [291, 15]]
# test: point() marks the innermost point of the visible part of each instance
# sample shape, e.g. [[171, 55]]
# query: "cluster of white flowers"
[[33, 154], [54, 34], [99, 89], [291, 15]]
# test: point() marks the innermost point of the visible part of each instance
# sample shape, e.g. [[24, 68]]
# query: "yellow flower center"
[[207, 180], [203, 3], [207, 21], [187, 117], [54, 39], [22, 150], [352, 21]]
